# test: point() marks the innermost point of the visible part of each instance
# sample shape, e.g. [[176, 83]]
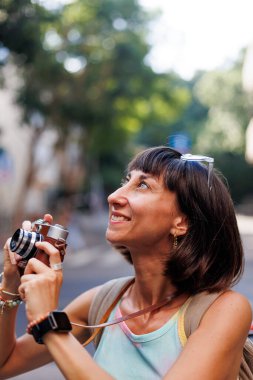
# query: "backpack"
[[110, 293]]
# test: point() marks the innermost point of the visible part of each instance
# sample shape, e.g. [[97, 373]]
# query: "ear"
[[180, 226]]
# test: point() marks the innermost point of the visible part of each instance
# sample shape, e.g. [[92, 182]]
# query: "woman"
[[174, 220]]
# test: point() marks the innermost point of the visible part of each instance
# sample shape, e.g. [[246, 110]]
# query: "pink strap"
[[105, 317], [129, 316]]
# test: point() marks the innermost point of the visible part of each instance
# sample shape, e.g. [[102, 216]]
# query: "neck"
[[151, 286]]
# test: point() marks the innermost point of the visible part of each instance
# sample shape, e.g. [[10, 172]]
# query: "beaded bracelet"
[[9, 304]]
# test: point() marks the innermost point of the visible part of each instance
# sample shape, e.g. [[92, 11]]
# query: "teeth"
[[118, 218]]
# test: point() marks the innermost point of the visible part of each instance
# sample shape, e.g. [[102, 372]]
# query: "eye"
[[143, 185]]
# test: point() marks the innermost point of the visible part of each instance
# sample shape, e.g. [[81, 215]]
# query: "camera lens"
[[23, 243]]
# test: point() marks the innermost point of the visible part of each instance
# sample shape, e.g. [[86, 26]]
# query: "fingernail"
[[26, 225]]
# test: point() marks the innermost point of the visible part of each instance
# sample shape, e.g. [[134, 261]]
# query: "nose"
[[118, 197]]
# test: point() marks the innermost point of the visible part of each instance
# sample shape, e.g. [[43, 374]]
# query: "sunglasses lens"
[[209, 161]]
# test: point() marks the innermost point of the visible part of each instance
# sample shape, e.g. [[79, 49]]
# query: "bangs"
[[182, 177], [154, 161]]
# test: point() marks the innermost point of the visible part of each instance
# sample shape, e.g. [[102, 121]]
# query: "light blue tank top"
[[127, 356]]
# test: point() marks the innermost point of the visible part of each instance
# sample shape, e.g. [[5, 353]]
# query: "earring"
[[175, 241]]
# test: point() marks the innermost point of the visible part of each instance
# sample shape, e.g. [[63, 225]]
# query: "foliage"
[[222, 132], [238, 174], [84, 66], [224, 129], [174, 104], [194, 114], [84, 69], [20, 24]]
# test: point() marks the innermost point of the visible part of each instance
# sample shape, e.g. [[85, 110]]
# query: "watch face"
[[59, 321]]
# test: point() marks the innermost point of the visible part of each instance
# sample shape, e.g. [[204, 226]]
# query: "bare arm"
[[25, 354], [40, 287], [72, 359], [214, 350], [10, 283]]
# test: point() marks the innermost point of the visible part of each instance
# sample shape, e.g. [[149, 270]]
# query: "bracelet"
[[9, 304], [5, 291], [9, 293], [35, 322]]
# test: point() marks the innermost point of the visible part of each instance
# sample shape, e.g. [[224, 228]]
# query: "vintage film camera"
[[23, 242]]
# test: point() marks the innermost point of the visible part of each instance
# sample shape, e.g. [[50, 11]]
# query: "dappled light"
[[90, 67]]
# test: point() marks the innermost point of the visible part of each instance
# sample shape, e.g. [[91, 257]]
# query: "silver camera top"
[[53, 231]]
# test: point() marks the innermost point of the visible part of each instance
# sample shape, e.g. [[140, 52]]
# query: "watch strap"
[[55, 321]]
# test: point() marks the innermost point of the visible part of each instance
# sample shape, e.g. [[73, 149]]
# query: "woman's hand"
[[11, 279], [40, 284], [12, 272]]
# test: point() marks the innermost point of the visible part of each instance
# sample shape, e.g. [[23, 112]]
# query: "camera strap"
[[61, 245], [103, 323]]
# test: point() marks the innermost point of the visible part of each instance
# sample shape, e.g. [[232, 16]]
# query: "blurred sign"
[[6, 166], [180, 142]]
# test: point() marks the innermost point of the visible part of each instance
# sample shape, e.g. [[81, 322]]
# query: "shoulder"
[[214, 350], [230, 302], [230, 314]]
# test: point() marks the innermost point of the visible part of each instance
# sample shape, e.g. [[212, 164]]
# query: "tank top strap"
[[181, 320]]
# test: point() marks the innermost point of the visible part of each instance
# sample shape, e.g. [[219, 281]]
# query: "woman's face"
[[142, 212]]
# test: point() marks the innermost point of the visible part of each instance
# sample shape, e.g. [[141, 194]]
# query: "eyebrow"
[[142, 176]]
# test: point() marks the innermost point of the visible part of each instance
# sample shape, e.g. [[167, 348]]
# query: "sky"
[[196, 35], [193, 35]]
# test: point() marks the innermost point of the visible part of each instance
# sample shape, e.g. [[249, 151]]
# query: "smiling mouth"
[[116, 218]]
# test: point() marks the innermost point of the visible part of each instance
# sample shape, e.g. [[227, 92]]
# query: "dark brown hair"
[[210, 255]]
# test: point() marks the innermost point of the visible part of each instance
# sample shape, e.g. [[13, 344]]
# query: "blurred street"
[[91, 261]]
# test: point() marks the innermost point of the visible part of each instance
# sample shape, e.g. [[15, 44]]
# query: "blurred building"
[[33, 167], [247, 80], [15, 142]]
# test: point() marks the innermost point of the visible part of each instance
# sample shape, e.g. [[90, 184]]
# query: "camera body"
[[23, 241]]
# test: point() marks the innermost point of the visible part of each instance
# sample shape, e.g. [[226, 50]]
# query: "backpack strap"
[[246, 369], [103, 301], [196, 309], [108, 293]]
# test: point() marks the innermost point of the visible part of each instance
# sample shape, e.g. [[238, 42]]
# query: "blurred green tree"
[[222, 132], [228, 110], [85, 66]]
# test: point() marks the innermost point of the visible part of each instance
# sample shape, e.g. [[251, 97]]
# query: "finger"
[[48, 218], [12, 257], [7, 244], [51, 251], [35, 266], [27, 225], [9, 255], [21, 290], [28, 277]]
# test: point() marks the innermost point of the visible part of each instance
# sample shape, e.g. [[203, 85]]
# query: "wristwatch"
[[55, 321]]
